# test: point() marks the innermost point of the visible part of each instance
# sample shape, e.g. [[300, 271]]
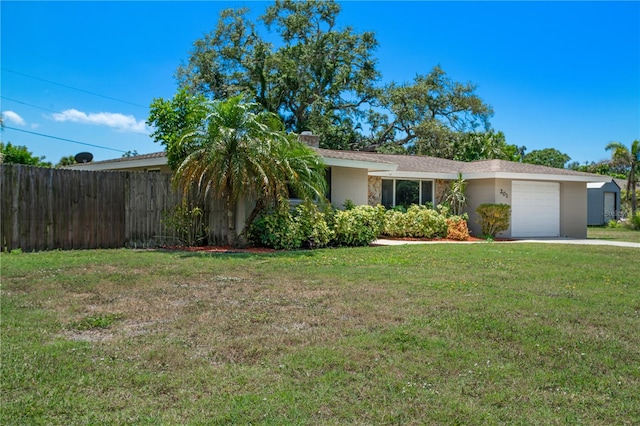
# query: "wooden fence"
[[46, 209]]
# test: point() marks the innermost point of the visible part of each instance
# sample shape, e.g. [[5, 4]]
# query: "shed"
[[603, 203]]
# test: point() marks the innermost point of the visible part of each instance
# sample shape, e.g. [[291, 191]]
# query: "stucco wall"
[[349, 184], [480, 191], [573, 204], [573, 209]]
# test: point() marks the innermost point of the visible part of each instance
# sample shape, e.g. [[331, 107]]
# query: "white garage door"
[[535, 209]]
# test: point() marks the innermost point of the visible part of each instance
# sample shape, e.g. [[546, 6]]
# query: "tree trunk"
[[231, 205]]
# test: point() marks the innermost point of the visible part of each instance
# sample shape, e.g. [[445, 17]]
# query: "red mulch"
[[440, 240], [230, 249], [220, 249]]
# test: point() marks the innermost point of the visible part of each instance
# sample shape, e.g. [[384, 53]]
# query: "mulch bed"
[[439, 240], [219, 249], [258, 250]]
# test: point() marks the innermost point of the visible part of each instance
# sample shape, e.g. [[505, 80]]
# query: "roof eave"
[[119, 165], [415, 175], [536, 176], [371, 166]]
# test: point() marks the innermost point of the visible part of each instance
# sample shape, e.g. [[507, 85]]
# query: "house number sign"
[[504, 193]]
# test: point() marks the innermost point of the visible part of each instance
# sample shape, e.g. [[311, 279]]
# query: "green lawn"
[[614, 234], [484, 333]]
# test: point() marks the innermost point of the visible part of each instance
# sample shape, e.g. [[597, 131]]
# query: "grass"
[[425, 334], [614, 234]]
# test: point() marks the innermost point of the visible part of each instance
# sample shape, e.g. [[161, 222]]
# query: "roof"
[[432, 167], [599, 185], [622, 183], [155, 159], [394, 165]]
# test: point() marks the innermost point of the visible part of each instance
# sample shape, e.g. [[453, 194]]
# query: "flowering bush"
[[276, 229], [359, 226], [417, 222], [308, 227], [314, 229]]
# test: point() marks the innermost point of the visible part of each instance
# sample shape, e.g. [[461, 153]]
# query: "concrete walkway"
[[588, 242]]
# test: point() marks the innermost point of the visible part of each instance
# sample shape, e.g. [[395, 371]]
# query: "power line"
[[64, 139], [24, 103], [75, 88]]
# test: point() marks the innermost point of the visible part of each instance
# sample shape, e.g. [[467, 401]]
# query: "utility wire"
[[75, 88], [64, 139], [24, 103]]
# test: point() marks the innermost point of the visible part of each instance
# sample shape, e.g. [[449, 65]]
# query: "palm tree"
[[241, 152], [66, 161], [630, 159]]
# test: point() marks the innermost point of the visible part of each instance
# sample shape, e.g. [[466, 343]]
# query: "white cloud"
[[13, 117], [127, 123]]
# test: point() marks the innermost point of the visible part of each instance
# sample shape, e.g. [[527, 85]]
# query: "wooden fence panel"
[[45, 209], [149, 196]]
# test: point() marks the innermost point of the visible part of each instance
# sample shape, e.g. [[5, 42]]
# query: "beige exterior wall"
[[479, 191], [349, 184], [573, 204], [573, 209]]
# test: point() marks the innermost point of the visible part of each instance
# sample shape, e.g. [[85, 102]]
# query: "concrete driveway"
[[589, 242]]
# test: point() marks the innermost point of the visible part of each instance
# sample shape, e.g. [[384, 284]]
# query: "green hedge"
[[358, 226], [417, 222], [307, 227]]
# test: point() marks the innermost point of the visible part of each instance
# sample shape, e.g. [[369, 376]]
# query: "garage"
[[535, 209]]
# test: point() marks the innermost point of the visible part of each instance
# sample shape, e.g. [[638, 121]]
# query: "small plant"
[[348, 204], [187, 224], [93, 322], [632, 223], [456, 197], [494, 218], [457, 228], [613, 224]]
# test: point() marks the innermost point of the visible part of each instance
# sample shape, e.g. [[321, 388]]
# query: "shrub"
[[457, 228], [314, 229], [613, 224], [348, 205], [456, 197], [494, 218], [187, 224], [417, 222], [359, 226], [634, 222], [276, 229]]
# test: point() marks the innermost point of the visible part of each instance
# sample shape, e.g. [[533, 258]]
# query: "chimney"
[[310, 139]]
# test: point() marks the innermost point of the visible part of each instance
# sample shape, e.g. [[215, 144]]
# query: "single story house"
[[603, 202], [545, 201]]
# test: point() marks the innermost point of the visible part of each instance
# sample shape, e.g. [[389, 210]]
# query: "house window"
[[403, 192]]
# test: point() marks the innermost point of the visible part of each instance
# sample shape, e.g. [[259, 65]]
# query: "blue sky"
[[558, 74]]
